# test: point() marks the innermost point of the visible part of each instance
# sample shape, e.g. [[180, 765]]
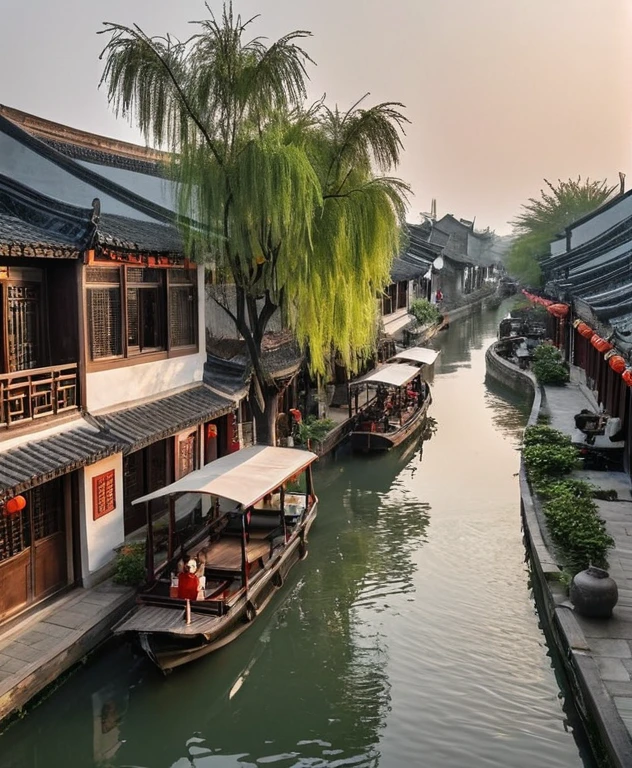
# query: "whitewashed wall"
[[558, 247], [117, 386], [602, 222], [99, 538]]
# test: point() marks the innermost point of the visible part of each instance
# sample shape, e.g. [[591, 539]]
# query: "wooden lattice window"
[[147, 305], [183, 315], [47, 509], [104, 317], [14, 533], [186, 453], [23, 326], [103, 494]]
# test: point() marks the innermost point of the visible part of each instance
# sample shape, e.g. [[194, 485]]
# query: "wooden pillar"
[[309, 481], [172, 526], [244, 559], [282, 505], [150, 543]]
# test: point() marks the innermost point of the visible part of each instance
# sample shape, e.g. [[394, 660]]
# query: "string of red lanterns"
[[616, 361]]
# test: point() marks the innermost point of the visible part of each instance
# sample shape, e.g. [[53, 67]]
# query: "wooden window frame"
[[134, 355]]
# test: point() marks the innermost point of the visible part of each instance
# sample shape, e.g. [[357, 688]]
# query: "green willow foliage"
[[292, 204], [542, 220]]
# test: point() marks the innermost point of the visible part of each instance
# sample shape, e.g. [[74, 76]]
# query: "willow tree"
[[287, 202], [543, 219]]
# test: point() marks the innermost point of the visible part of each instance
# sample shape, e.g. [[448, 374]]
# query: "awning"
[[245, 476], [393, 375], [39, 461], [139, 425], [417, 355]]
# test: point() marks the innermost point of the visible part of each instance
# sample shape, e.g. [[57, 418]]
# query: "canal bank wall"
[[594, 674], [40, 650]]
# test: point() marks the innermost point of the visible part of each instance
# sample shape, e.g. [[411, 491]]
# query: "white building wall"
[[601, 222], [117, 386], [99, 538], [558, 247]]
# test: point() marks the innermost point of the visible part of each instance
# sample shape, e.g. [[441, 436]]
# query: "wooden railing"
[[39, 392]]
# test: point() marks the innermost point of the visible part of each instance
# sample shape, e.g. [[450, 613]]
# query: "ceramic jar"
[[594, 593]]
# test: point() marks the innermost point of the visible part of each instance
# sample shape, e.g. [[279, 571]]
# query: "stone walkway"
[[608, 643], [37, 650]]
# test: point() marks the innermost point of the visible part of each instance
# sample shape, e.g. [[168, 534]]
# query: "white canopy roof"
[[393, 375], [245, 476], [417, 355]]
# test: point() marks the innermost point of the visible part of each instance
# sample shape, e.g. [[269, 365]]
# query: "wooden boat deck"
[[151, 618], [225, 554]]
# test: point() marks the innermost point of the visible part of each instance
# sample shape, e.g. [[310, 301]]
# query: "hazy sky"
[[500, 93]]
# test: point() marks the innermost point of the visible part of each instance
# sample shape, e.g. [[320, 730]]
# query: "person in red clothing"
[[188, 582]]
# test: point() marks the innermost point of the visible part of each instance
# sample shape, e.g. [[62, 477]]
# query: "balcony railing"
[[39, 392]]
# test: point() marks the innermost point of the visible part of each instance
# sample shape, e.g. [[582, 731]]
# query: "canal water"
[[408, 637]]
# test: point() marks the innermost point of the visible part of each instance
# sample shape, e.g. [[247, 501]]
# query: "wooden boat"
[[397, 400], [255, 531]]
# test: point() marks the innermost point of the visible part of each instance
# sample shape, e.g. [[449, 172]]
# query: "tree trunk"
[[265, 419]]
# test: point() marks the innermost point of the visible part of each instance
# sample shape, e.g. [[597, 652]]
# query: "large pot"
[[594, 593]]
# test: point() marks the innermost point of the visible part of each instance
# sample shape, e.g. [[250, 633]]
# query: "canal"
[[408, 637]]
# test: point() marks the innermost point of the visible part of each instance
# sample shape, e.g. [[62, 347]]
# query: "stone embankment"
[[597, 653]]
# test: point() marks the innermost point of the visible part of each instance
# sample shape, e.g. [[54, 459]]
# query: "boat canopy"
[[392, 375], [417, 355], [245, 476]]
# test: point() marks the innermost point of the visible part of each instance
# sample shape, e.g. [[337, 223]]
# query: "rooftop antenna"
[[432, 216], [621, 183]]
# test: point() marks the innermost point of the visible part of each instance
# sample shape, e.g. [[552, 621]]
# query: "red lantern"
[[617, 363], [558, 310], [14, 505], [584, 330], [627, 376], [601, 345]]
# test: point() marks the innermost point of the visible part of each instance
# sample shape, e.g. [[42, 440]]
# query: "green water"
[[408, 637]]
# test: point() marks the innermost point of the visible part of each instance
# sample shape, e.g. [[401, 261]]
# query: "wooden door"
[[33, 552], [50, 564], [15, 563]]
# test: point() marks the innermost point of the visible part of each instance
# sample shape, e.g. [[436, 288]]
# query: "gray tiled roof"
[[405, 270], [135, 235], [38, 461], [25, 236], [139, 425], [103, 157], [228, 376]]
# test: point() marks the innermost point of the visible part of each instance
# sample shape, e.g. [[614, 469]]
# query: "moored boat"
[[396, 403], [255, 530]]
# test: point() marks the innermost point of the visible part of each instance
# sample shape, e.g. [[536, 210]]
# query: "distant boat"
[[255, 531], [396, 402]]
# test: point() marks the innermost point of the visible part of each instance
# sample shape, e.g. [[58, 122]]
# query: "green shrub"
[[539, 434], [313, 429], [424, 312], [130, 565], [577, 529], [549, 366], [549, 461], [566, 488]]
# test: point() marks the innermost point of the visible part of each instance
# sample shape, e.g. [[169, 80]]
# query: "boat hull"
[[168, 650], [370, 442]]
